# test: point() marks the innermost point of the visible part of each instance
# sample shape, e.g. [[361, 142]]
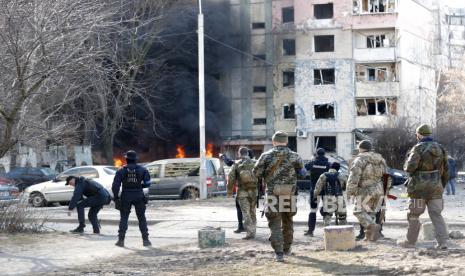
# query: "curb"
[[393, 223]]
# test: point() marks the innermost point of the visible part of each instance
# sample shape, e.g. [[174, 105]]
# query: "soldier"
[[428, 169], [279, 168], [330, 187], [96, 197], [366, 185], [133, 178], [316, 167], [241, 172]]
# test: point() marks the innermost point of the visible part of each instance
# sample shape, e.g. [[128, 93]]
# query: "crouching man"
[[330, 187], [96, 198]]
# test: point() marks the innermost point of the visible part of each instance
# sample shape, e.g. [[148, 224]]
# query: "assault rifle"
[[386, 194]]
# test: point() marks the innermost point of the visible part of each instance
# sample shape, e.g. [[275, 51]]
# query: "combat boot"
[[308, 233], [288, 251], [376, 232], [249, 237], [239, 229], [441, 246], [78, 230], [280, 257], [405, 244], [120, 242], [368, 233], [146, 242]]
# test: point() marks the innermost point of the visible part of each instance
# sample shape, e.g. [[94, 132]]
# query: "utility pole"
[[203, 161]]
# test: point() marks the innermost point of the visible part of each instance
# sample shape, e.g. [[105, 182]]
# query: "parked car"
[[55, 190], [6, 181], [24, 177], [179, 178], [460, 177], [8, 195]]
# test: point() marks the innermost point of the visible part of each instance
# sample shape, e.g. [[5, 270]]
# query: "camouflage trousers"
[[366, 207], [248, 207], [416, 208], [281, 226]]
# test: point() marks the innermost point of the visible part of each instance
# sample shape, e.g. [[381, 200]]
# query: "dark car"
[[8, 195], [24, 177]]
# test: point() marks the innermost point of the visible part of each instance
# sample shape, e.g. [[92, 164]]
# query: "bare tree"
[[44, 44], [130, 70]]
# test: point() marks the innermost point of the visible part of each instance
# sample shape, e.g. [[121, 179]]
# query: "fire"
[[209, 152], [180, 152], [118, 162]]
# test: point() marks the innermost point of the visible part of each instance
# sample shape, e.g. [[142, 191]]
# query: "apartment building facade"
[[359, 65], [333, 69]]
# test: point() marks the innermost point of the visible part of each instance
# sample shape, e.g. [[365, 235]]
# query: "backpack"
[[246, 179], [332, 186]]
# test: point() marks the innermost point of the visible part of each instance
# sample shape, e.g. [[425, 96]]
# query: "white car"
[[56, 191]]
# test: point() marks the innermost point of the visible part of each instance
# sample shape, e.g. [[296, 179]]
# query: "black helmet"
[[320, 152], [131, 155]]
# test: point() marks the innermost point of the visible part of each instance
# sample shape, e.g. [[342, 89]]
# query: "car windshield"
[[48, 171]]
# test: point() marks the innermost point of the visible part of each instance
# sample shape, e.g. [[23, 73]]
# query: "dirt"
[[240, 257]]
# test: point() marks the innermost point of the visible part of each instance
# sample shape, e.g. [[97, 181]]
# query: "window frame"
[[292, 15], [317, 45]]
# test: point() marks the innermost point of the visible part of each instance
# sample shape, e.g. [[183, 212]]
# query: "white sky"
[[456, 3]]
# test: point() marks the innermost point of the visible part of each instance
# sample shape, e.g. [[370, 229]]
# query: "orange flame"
[[118, 162], [209, 152], [180, 152]]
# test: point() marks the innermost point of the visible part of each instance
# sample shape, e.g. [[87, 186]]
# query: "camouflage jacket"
[[276, 172], [428, 169], [320, 185], [366, 175], [234, 175]]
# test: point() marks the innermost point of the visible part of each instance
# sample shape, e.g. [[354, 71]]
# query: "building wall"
[[247, 72], [417, 72]]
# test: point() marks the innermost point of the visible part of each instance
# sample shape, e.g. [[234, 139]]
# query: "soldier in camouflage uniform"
[[428, 169], [366, 185], [330, 187], [279, 168], [247, 190]]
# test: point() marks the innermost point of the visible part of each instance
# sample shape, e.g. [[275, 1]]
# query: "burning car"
[[179, 178]]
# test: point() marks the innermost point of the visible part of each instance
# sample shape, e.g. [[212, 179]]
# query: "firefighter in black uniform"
[[133, 178], [316, 167], [96, 197]]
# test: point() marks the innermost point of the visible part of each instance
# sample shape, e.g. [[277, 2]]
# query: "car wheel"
[[64, 203], [190, 193], [38, 200]]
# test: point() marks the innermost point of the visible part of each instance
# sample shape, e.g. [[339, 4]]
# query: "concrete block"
[[211, 237], [339, 238], [427, 231]]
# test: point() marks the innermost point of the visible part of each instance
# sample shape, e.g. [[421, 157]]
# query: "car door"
[[218, 176], [57, 191], [155, 173], [175, 176]]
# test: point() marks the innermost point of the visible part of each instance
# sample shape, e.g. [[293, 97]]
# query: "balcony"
[[382, 54], [377, 89]]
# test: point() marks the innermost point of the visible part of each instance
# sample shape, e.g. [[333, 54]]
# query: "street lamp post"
[[203, 161]]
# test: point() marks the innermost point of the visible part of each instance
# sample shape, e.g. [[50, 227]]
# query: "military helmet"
[[424, 130]]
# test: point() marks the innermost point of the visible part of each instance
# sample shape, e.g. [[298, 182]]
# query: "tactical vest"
[[131, 180], [246, 178], [319, 167], [332, 186]]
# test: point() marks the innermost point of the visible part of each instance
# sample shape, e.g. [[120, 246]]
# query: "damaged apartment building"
[[332, 71]]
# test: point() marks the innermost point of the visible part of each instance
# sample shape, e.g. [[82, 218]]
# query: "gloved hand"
[[117, 203]]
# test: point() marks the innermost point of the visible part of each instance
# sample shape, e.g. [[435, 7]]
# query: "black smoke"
[[176, 103]]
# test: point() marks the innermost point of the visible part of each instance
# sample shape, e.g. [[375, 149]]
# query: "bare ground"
[[240, 257]]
